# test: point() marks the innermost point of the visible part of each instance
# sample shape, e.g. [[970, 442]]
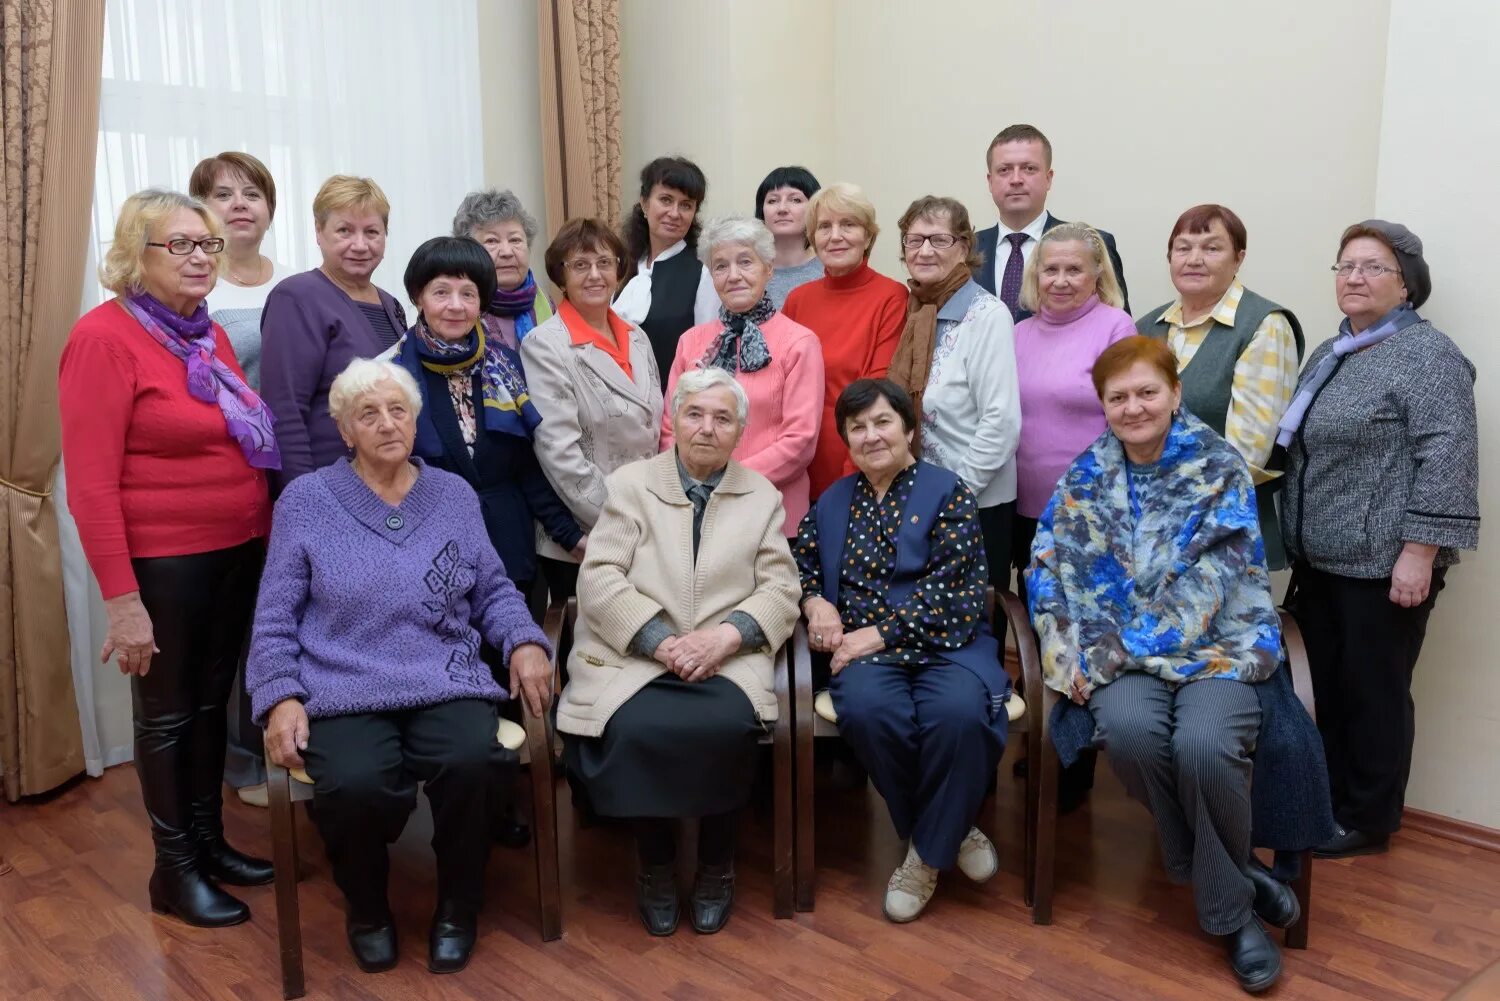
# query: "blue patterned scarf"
[[1157, 568], [507, 403], [519, 304]]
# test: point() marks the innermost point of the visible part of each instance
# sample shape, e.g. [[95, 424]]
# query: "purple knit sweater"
[[366, 607]]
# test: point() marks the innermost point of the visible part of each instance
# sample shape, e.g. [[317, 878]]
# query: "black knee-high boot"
[[235, 586], [166, 705]]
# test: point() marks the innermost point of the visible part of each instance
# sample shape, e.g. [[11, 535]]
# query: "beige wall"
[[512, 106], [1440, 141], [1281, 110]]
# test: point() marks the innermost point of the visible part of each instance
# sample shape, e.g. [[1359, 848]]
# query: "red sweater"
[[151, 471], [858, 317]]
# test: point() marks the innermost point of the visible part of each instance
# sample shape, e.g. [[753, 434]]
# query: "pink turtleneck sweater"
[[1060, 412]]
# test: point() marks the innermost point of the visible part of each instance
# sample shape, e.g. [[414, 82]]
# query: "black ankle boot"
[[450, 942], [372, 939], [656, 898], [179, 888], [1275, 902], [713, 897], [1253, 956]]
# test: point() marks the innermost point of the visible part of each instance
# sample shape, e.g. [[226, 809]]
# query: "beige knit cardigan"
[[640, 562]]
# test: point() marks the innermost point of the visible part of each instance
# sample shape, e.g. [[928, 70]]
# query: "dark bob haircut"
[[451, 257], [784, 177], [581, 236], [678, 173], [862, 394]]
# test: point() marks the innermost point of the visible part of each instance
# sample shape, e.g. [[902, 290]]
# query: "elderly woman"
[[1238, 351], [1073, 304], [316, 322], [856, 312], [239, 189], [667, 288], [498, 221], [893, 587], [1382, 492], [1152, 605], [380, 585], [477, 416], [166, 447], [687, 592], [594, 381], [777, 361], [781, 203], [957, 359]]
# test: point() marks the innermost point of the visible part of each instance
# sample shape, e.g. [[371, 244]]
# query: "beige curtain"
[[579, 62], [50, 52]]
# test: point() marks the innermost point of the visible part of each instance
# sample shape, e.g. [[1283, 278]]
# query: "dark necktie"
[[698, 493], [1010, 282]]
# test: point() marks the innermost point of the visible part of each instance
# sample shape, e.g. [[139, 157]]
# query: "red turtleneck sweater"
[[858, 318]]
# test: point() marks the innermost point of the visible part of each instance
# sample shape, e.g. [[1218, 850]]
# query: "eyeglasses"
[[182, 246], [1346, 269], [581, 267], [939, 241]]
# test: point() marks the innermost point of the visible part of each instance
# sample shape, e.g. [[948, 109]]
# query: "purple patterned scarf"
[[518, 303], [191, 338]]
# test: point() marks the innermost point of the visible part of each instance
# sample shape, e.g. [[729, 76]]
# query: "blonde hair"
[[843, 198], [361, 376], [123, 263], [1108, 288], [343, 192]]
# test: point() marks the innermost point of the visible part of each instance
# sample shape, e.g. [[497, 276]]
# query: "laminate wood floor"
[[75, 924]]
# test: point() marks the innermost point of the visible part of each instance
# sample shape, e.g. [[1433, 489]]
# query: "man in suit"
[[1018, 167]]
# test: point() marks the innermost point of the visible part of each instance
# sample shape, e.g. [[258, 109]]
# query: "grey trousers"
[[1184, 751]]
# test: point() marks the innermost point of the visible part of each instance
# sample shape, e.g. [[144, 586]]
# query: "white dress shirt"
[[1033, 231], [635, 298]]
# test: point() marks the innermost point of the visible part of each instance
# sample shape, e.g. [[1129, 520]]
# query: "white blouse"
[[634, 301]]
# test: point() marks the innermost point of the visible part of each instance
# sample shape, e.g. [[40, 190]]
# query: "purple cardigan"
[[310, 330], [370, 608]]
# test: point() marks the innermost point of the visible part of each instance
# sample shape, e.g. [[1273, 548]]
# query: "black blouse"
[[944, 610]]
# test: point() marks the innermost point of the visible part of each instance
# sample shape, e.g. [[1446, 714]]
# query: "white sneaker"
[[910, 888], [977, 858]]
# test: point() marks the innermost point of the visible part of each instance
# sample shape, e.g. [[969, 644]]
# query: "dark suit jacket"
[[985, 275]]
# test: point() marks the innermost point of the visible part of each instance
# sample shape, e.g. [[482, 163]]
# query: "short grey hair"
[[737, 229], [696, 380], [360, 377], [484, 208]]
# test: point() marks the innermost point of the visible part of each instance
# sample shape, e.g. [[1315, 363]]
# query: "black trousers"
[[365, 769], [561, 577], [995, 525], [1362, 649], [200, 607]]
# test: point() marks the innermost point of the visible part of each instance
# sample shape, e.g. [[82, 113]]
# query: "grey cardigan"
[[1388, 454]]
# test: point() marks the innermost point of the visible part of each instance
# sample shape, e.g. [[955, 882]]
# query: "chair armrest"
[[782, 680], [1032, 689], [1296, 659], [801, 665]]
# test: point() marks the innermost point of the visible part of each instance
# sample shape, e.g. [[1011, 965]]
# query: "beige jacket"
[[594, 419], [640, 562]]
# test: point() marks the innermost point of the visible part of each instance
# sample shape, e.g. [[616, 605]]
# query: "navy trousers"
[[927, 739]]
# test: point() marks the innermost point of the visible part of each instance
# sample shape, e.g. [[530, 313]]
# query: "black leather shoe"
[[1347, 844], [511, 831], [1275, 902], [183, 892], [373, 943], [656, 898], [227, 865], [713, 897], [1253, 956], [451, 940]]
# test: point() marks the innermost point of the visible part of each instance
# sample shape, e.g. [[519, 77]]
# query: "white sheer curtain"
[[387, 89]]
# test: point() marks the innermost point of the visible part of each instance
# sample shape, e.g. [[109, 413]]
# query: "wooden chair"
[[1026, 645], [539, 735], [816, 718], [533, 745]]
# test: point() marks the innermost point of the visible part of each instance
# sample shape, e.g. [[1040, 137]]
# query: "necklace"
[[261, 274]]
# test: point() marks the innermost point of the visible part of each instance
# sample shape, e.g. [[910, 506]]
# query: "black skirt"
[[674, 749]]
